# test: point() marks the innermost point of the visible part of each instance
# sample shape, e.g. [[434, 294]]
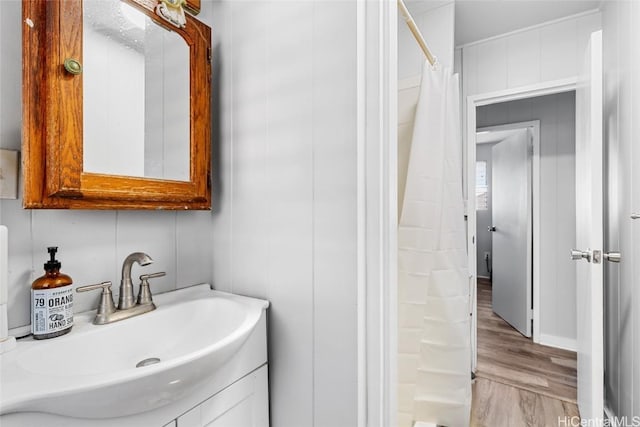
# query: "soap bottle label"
[[52, 310]]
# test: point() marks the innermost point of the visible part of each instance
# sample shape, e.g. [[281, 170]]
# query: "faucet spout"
[[126, 299], [139, 257]]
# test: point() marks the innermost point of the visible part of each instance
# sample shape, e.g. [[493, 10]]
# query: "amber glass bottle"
[[51, 301]]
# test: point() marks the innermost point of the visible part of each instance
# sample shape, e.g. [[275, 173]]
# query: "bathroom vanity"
[[208, 353]]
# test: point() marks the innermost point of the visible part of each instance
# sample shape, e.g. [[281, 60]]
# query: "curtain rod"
[[415, 31]]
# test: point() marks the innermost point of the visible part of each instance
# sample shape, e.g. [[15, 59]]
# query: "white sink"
[[91, 372]]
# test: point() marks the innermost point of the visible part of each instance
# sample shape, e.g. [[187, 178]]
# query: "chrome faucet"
[[126, 299], [128, 306]]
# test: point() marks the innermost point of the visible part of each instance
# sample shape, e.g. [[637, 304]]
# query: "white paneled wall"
[[407, 102], [621, 37], [285, 221], [557, 206], [436, 25], [544, 53], [92, 244]]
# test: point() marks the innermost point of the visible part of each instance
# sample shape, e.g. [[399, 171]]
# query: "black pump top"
[[53, 263]]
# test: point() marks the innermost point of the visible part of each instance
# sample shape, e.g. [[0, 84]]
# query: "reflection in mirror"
[[136, 94]]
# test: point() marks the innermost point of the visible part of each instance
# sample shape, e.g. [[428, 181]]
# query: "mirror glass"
[[136, 91]]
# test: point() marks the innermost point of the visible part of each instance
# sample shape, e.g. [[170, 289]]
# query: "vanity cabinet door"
[[242, 404]]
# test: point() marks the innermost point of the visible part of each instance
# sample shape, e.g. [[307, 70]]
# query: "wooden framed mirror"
[[102, 132]]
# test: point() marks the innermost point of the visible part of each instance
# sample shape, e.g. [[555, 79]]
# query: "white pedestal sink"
[[91, 373]]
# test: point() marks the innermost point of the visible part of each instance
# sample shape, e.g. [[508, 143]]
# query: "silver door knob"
[[491, 228], [634, 216], [578, 254], [612, 256]]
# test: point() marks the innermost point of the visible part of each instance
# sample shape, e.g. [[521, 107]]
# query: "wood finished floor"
[[499, 405], [519, 383]]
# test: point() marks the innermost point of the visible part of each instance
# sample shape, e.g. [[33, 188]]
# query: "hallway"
[[519, 383]]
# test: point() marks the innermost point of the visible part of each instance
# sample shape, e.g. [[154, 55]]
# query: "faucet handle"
[[105, 286], [106, 306], [144, 296], [146, 277]]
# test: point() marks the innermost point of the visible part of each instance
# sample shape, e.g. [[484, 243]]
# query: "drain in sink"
[[147, 362]]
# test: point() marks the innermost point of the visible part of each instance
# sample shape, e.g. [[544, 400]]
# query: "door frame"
[[534, 261], [469, 181], [377, 212]]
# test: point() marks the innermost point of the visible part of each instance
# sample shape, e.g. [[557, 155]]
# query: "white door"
[[589, 233], [511, 231]]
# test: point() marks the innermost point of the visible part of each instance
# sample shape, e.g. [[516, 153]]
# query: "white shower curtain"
[[433, 283]]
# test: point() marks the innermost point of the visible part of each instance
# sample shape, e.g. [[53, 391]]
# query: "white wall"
[[92, 244], [544, 53], [285, 193], [435, 21], [557, 206], [407, 102], [621, 35]]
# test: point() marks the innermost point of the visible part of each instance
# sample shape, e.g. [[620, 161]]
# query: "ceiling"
[[480, 19]]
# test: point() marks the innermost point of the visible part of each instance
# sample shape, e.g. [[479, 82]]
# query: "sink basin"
[[131, 366]]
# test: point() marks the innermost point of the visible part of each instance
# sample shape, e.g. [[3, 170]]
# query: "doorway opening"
[[524, 212], [507, 197]]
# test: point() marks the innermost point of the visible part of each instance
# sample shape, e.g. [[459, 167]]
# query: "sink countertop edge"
[[83, 324]]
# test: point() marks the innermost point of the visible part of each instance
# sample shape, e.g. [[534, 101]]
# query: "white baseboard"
[[558, 342], [484, 277]]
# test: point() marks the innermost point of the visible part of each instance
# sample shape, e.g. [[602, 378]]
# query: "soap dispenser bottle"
[[51, 301]]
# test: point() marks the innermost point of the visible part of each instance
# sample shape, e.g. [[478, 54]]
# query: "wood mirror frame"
[[52, 147]]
